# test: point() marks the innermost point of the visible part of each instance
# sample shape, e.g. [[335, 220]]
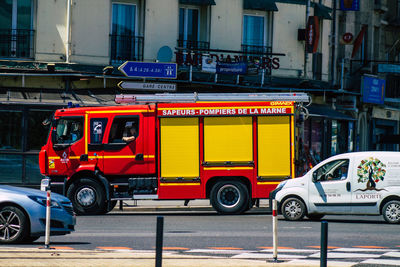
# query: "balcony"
[[125, 48], [16, 43], [256, 50], [193, 45]]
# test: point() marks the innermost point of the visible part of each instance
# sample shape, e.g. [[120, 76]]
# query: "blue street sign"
[[232, 68], [149, 69], [373, 90]]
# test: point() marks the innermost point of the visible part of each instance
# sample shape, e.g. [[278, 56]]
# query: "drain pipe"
[[68, 43]]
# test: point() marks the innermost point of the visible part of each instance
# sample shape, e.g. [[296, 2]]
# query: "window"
[[125, 44], [11, 130], [255, 38], [97, 127], [69, 130], [16, 24], [193, 23], [332, 171], [123, 127], [37, 133]]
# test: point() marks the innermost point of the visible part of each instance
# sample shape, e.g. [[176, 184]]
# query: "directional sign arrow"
[[149, 69]]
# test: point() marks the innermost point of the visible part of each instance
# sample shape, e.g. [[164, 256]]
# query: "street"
[[205, 230]]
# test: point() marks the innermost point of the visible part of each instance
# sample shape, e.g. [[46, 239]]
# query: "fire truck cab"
[[232, 152]]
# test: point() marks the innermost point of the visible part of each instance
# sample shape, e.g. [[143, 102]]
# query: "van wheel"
[[14, 226], [315, 217], [391, 211], [293, 209], [87, 196], [229, 197]]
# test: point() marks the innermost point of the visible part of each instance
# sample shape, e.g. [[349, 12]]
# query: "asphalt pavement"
[[62, 256]]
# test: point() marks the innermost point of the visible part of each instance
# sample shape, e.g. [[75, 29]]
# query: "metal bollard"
[[159, 240], [48, 215], [324, 243], [275, 230]]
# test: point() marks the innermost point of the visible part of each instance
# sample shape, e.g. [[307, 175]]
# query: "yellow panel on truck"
[[274, 137], [228, 139], [179, 147]]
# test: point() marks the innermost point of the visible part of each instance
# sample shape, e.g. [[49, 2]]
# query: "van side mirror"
[[314, 177]]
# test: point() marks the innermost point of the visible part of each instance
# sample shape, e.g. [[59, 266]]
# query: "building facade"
[[68, 51]]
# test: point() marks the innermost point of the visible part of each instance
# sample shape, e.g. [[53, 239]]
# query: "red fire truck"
[[230, 148]]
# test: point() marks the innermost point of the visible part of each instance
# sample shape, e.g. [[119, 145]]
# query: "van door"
[[329, 191]]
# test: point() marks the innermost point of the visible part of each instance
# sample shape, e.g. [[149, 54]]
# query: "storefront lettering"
[[224, 111], [195, 59]]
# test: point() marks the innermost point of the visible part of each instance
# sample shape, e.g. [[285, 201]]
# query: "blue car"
[[23, 214]]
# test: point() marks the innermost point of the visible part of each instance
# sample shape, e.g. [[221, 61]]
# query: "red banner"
[[312, 34], [358, 41]]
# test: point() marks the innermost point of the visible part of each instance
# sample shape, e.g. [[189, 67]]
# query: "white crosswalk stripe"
[[310, 257]]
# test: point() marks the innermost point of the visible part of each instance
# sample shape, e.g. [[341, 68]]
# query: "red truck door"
[[68, 144], [123, 157]]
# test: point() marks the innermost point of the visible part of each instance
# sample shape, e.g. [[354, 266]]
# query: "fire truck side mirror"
[[54, 136]]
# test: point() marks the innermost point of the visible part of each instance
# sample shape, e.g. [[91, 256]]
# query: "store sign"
[[232, 68], [350, 5], [373, 90], [207, 61], [312, 34], [347, 38], [388, 68]]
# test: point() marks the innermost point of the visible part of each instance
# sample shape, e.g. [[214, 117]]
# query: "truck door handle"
[[139, 156], [348, 186]]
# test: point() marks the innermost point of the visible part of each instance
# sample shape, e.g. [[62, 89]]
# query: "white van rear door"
[[329, 192]]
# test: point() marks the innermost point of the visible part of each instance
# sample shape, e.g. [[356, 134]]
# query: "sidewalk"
[[173, 205], [36, 257]]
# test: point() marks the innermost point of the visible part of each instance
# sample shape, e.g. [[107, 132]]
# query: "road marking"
[[265, 256], [292, 250], [62, 247], [369, 247], [381, 262], [333, 255], [225, 248], [175, 248], [392, 254], [362, 250], [278, 248], [114, 248], [214, 251], [329, 247]]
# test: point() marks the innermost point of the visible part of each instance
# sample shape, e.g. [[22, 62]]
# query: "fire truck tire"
[[229, 197], [87, 196]]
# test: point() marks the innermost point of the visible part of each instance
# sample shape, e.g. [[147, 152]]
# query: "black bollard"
[[159, 240], [324, 243]]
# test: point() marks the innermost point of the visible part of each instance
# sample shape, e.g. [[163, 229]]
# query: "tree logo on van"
[[372, 171]]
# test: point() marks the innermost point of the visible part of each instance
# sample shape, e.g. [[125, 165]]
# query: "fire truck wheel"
[[293, 209], [87, 196], [229, 197]]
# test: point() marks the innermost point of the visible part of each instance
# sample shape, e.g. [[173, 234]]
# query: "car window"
[[333, 171], [121, 127]]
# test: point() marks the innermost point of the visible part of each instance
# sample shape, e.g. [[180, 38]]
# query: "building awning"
[[322, 11], [324, 111], [197, 2], [265, 5]]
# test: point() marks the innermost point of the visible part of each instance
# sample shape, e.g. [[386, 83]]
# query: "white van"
[[359, 183]]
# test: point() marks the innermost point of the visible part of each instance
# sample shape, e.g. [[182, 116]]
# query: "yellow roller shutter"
[[274, 146], [228, 139], [179, 147]]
